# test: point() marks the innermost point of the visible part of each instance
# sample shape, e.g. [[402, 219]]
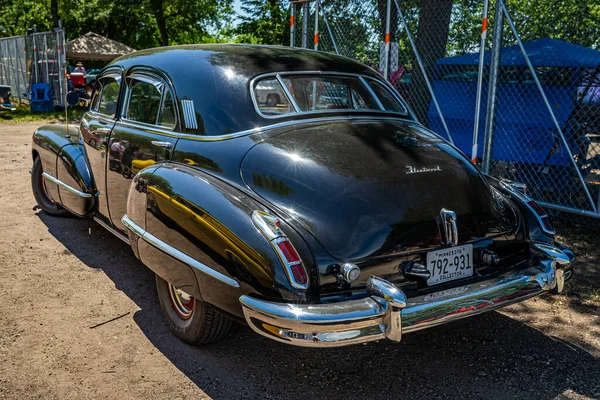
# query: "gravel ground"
[[61, 276]]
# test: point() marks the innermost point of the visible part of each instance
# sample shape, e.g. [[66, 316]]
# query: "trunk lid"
[[367, 189]]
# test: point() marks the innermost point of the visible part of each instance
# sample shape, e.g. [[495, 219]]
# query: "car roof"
[[215, 77]]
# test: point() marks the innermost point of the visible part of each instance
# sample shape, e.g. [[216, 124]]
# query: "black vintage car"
[[322, 215]]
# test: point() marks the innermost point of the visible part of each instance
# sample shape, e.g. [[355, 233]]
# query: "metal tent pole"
[[35, 60], [388, 17], [18, 66], [422, 68], [305, 23], [484, 24], [292, 24], [488, 139], [547, 103], [316, 39], [46, 60], [60, 66], [335, 46]]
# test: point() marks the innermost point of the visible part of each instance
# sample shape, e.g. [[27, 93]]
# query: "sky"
[[237, 7]]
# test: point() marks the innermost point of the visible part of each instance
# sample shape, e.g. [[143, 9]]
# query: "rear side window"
[[388, 101], [105, 101], [320, 92], [150, 101], [270, 98]]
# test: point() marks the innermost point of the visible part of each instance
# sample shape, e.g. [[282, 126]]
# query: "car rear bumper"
[[387, 313]]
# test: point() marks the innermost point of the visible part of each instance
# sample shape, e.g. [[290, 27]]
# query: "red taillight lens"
[[293, 261], [299, 274], [288, 251], [547, 224], [543, 216], [536, 207]]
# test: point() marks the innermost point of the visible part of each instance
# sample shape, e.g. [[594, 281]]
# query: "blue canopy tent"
[[524, 131]]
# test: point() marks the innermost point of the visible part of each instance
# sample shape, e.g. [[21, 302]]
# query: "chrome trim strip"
[[132, 226], [173, 252], [64, 185], [372, 93], [386, 313], [112, 230], [292, 123]]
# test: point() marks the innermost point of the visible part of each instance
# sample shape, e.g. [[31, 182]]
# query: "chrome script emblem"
[[448, 225], [414, 170]]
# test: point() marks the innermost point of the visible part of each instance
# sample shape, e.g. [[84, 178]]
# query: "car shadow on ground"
[[489, 356]]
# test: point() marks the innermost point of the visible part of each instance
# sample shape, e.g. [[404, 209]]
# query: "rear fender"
[[70, 182], [210, 222]]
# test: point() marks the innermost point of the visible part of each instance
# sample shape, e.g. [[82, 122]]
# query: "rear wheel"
[[190, 319], [38, 185]]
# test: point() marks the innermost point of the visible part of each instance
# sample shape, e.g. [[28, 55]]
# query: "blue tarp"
[[524, 131], [542, 52]]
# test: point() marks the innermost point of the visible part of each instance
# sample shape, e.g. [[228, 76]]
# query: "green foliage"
[[150, 23], [267, 22], [136, 23], [22, 114]]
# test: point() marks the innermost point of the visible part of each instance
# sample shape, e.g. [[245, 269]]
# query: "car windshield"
[[319, 93]]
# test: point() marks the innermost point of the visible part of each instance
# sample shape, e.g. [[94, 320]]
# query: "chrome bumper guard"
[[387, 313]]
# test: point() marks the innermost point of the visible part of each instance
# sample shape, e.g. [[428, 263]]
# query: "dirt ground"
[[61, 276]]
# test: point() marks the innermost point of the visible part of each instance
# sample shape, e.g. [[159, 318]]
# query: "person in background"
[[79, 68]]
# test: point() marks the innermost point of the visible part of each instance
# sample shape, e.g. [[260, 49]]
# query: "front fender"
[[63, 158], [210, 222]]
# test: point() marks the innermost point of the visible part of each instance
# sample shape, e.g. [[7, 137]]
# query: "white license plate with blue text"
[[449, 264]]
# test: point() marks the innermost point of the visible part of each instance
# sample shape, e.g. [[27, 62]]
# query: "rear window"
[[321, 93]]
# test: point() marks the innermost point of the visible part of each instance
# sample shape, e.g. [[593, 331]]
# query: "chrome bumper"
[[387, 313]]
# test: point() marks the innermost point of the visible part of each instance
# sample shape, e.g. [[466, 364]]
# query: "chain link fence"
[[545, 135], [35, 58]]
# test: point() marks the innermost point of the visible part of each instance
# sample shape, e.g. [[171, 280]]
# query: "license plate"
[[449, 264]]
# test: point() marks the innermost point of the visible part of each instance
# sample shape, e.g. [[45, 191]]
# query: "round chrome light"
[[350, 272]]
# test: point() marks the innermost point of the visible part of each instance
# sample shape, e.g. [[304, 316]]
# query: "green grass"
[[22, 114]]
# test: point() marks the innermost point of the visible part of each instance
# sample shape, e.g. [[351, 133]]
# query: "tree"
[[431, 40], [266, 23], [184, 21]]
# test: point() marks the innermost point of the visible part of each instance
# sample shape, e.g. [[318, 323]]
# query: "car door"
[[96, 126], [145, 134]]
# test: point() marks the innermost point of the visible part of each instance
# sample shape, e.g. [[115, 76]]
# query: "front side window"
[[319, 93], [106, 101]]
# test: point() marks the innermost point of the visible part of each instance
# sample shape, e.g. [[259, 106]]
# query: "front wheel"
[[190, 319], [38, 185]]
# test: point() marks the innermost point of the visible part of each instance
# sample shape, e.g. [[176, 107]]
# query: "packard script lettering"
[[415, 170]]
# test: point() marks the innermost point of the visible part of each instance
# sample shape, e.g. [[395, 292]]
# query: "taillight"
[[269, 226], [538, 211], [542, 215]]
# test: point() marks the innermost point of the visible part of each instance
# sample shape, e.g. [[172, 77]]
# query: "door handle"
[[166, 145]]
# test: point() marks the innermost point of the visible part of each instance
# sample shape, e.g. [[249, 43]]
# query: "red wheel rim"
[[182, 303]]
